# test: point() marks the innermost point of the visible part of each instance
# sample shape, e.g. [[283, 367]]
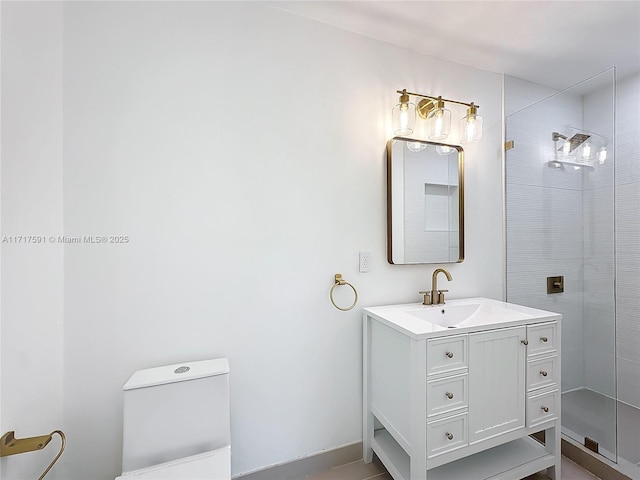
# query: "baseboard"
[[308, 465], [352, 453]]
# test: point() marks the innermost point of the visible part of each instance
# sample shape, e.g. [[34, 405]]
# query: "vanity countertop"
[[457, 316]]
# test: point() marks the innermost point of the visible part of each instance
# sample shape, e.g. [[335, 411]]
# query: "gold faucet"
[[435, 296]]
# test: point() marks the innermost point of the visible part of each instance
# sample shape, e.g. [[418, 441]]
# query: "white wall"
[[242, 150], [31, 196]]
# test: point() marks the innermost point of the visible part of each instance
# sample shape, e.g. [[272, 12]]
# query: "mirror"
[[425, 202]]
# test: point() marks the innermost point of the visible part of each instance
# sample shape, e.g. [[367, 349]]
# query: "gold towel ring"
[[340, 281]]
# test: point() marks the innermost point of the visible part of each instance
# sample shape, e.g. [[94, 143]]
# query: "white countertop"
[[491, 314]]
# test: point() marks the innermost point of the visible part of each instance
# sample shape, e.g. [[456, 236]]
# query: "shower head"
[[574, 142]]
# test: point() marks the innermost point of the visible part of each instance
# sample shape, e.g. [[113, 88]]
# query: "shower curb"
[[590, 462]]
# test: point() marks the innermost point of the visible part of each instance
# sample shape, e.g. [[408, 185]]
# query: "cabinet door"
[[496, 382]]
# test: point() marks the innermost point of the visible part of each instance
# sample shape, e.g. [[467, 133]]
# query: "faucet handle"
[[441, 296], [427, 298]]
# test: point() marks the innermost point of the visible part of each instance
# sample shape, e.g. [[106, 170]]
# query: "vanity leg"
[[553, 446], [367, 418]]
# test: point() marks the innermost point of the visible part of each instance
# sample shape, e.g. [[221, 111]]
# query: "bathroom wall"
[[241, 152], [31, 313], [627, 178]]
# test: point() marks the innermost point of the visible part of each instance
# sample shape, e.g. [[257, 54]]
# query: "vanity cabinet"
[[461, 403]]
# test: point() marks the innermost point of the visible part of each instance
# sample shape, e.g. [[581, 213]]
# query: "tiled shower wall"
[[627, 217], [544, 216], [561, 222]]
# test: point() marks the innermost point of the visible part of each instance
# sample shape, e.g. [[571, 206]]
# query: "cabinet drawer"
[[542, 372], [542, 407], [542, 338], [446, 354], [447, 394], [446, 435]]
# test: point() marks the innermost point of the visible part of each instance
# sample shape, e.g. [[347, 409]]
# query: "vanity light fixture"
[[438, 118], [404, 115], [471, 125]]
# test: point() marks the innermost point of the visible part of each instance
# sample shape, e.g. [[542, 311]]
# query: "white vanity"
[[453, 391]]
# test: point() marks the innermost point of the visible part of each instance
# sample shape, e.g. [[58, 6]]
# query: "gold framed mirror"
[[425, 202]]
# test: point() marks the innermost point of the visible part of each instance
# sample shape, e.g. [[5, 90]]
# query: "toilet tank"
[[175, 411]]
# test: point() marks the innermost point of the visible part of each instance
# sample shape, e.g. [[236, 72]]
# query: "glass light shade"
[[444, 149], [404, 118], [602, 155], [586, 150], [416, 146], [438, 124], [471, 128]]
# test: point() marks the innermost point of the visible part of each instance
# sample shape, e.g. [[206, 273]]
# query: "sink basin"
[[466, 314], [453, 316]]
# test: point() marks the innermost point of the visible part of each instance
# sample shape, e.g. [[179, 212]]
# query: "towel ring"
[[339, 281]]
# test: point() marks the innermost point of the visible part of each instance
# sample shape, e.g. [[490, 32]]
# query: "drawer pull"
[[545, 409], [544, 339], [524, 342], [449, 354], [449, 395], [543, 373], [449, 436]]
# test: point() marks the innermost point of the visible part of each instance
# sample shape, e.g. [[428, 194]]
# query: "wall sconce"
[[438, 118], [404, 115]]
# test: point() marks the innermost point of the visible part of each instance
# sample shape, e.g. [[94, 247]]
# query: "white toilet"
[[177, 423]]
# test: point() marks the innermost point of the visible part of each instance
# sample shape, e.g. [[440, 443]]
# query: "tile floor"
[[375, 471]]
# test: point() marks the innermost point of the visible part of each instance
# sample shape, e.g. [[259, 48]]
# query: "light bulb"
[[470, 130], [404, 116], [566, 147], [586, 150], [602, 155]]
